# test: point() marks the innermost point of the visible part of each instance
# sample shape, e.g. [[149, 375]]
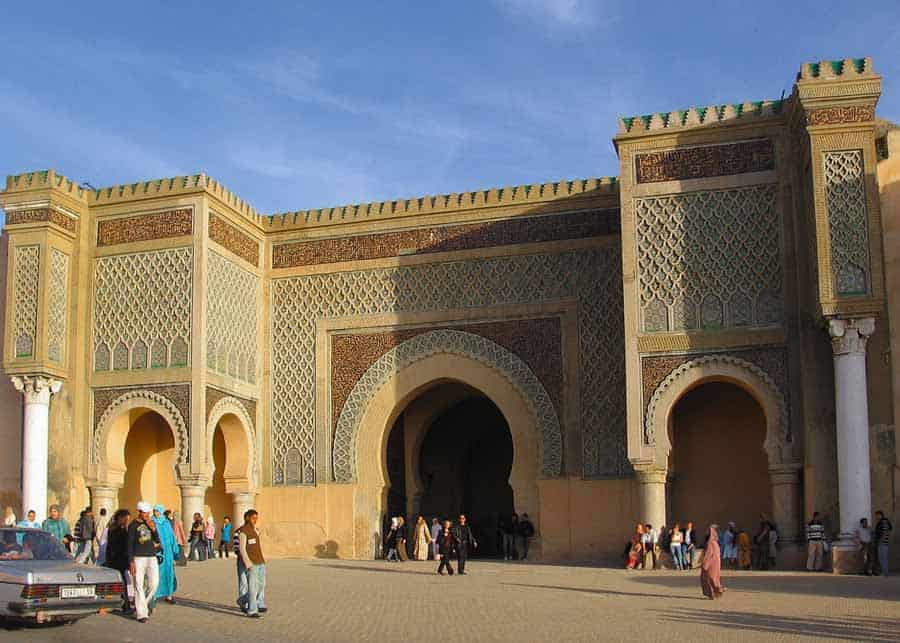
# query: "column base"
[[846, 558]]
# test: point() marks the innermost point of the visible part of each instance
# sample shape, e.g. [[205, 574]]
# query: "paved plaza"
[[335, 600]]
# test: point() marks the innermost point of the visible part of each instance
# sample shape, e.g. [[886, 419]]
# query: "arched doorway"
[[232, 455], [149, 461], [718, 467], [449, 452]]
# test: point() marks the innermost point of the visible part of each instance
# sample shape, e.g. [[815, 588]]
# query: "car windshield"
[[30, 544]]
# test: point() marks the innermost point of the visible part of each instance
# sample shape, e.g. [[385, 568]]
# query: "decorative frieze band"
[[575, 225], [42, 215], [229, 237], [841, 114], [705, 162], [145, 227]]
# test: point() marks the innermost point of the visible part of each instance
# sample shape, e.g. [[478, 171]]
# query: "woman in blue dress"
[[168, 549]]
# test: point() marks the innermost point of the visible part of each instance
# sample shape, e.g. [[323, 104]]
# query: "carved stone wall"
[[710, 259], [232, 321], [26, 281], [514, 370], [591, 275], [573, 225], [706, 161], [214, 395], [839, 114], [227, 236], [845, 193], [57, 305], [537, 342], [42, 214], [145, 227], [142, 310]]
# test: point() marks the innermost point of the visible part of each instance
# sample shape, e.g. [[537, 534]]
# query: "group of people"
[[203, 538], [648, 547], [872, 544], [425, 541]]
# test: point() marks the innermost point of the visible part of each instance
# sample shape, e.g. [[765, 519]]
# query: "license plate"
[[81, 591]]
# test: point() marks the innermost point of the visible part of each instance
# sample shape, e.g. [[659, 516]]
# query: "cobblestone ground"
[[332, 600]]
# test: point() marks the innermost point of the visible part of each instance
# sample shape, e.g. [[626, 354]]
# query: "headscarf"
[[164, 529], [712, 557]]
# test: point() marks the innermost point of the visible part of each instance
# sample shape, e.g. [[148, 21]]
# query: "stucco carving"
[[232, 297], [26, 280], [144, 227], [228, 236], [142, 304], [143, 398], [705, 161], [723, 367], [513, 369], [709, 259], [57, 305], [845, 194]]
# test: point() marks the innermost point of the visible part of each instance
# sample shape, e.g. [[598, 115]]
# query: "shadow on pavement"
[[210, 607], [784, 583], [604, 592], [854, 628], [393, 569]]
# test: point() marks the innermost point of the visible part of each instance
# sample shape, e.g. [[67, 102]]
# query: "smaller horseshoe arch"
[[241, 467]]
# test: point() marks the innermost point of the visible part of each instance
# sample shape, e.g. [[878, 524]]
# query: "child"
[[225, 541]]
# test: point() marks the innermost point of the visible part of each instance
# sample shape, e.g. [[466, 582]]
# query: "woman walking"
[[744, 550], [390, 542], [168, 549], [423, 537], [210, 535], [198, 540], [401, 538], [635, 548], [676, 539], [711, 566], [117, 553], [180, 537], [729, 545]]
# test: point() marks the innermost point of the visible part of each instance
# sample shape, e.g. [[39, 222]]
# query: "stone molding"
[[511, 367], [35, 388], [850, 335], [723, 366], [137, 398]]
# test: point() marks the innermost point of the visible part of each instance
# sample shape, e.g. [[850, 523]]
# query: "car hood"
[[54, 572]]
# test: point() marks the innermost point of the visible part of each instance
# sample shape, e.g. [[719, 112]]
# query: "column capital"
[[650, 475], [243, 496], [36, 388], [788, 473], [850, 335]]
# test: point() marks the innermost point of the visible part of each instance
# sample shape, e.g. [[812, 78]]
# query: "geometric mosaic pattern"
[[709, 259], [845, 193], [231, 319], [591, 275], [25, 299], [57, 305], [514, 370], [142, 310]]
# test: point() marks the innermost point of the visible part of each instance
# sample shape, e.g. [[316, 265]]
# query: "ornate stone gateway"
[[170, 340]]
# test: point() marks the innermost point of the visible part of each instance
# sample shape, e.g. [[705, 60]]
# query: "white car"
[[40, 582]]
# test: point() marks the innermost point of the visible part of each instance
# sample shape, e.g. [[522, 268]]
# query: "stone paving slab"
[[334, 600]]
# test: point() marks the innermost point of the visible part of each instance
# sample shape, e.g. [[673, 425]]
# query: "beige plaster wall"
[[149, 460]]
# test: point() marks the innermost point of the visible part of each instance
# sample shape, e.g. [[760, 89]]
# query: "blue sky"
[[303, 105]]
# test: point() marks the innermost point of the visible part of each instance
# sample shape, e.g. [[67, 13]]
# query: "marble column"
[[192, 496], [848, 342], [104, 497], [651, 496], [243, 500], [35, 440]]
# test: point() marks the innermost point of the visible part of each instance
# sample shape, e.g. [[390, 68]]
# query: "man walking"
[[435, 532], [465, 541], [526, 533], [510, 528], [447, 546], [100, 526], [864, 541], [883, 529], [688, 546], [84, 537], [250, 557], [815, 543], [143, 543]]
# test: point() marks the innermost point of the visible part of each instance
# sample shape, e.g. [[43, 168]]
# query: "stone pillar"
[[787, 507], [243, 500], [651, 496], [848, 341], [104, 497], [35, 440], [192, 495]]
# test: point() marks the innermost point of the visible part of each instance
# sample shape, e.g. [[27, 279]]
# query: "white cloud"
[[553, 13]]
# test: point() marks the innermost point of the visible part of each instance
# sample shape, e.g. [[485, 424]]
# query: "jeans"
[[146, 569], [198, 547], [815, 555], [522, 547], [244, 585], [84, 552], [210, 549], [256, 589], [509, 545], [687, 555], [677, 555], [883, 558], [223, 549]]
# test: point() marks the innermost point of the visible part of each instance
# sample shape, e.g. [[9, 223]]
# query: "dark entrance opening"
[[464, 464]]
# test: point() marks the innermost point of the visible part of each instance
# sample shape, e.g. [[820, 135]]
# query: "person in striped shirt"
[[815, 543]]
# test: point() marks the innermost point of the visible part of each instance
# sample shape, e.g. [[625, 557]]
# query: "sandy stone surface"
[[332, 600]]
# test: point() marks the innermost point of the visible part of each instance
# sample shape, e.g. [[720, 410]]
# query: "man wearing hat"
[[143, 543]]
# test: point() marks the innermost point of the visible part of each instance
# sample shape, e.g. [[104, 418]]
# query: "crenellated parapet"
[[705, 116]]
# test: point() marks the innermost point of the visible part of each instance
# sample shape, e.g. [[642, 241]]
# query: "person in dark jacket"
[[198, 539], [509, 527], [85, 532], [526, 533], [143, 545], [448, 545], [117, 551], [465, 542]]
